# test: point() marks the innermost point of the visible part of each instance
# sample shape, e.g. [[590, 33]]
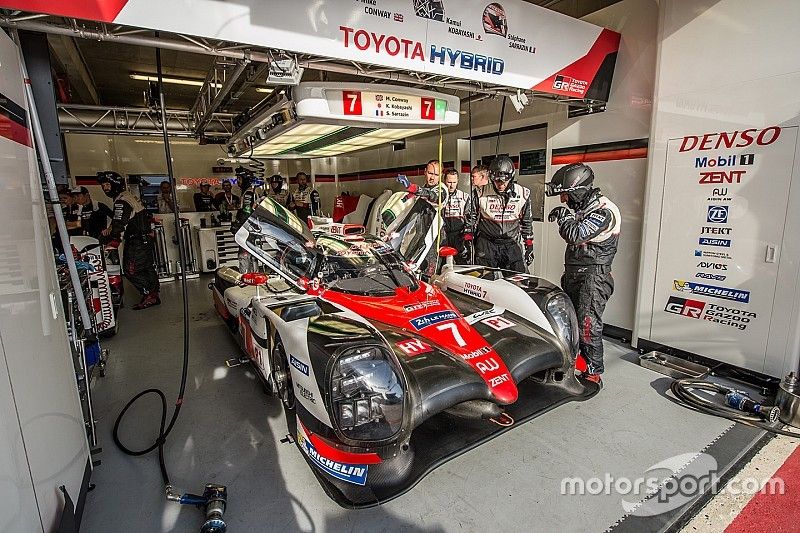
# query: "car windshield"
[[363, 265]]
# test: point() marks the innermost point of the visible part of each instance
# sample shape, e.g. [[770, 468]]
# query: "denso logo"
[[735, 139]]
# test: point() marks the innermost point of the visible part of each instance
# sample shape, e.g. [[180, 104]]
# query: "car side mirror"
[[448, 252]]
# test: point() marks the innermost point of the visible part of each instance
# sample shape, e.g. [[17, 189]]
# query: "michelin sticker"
[[355, 474]]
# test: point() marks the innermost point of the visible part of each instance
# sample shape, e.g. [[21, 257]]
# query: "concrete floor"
[[229, 433]]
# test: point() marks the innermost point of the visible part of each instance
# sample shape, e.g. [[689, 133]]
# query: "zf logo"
[[718, 214], [682, 306]]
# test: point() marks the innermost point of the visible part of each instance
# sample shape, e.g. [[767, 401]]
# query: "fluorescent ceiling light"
[[299, 135], [367, 140], [175, 81]]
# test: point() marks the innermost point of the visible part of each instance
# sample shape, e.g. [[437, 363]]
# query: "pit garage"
[[324, 266]]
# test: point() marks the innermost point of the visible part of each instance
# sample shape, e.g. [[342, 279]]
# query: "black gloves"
[[528, 252], [559, 214]]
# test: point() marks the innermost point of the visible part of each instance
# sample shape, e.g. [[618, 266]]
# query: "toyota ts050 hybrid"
[[384, 376]]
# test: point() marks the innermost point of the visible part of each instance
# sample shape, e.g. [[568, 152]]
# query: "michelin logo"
[[356, 474], [432, 318], [735, 295]]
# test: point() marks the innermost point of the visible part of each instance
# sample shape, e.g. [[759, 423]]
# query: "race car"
[[384, 376]]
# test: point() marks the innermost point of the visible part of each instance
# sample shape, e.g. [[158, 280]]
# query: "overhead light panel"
[[325, 119]]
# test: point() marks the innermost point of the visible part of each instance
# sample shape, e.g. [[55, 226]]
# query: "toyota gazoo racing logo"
[[719, 314], [717, 214], [494, 20], [736, 295], [570, 85]]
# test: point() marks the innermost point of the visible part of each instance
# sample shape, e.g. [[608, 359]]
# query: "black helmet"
[[575, 181], [501, 168], [276, 178], [576, 177], [244, 177], [116, 181]]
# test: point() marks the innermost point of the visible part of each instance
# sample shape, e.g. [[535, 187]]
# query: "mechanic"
[[203, 200], [225, 201], [70, 210], [305, 200], [592, 235], [245, 181], [166, 200], [498, 219], [134, 222], [434, 194], [277, 191], [453, 214], [94, 215]]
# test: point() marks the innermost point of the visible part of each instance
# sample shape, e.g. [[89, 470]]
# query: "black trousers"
[[501, 253], [589, 288], [140, 265]]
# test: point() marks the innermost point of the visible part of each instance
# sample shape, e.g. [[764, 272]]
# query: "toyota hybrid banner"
[[511, 43]]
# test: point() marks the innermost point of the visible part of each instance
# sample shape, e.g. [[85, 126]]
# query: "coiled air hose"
[[684, 390]]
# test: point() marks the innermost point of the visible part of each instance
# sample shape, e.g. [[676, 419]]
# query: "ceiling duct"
[[328, 119]]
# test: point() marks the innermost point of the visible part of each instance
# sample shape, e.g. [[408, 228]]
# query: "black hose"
[[682, 389], [164, 428], [500, 127]]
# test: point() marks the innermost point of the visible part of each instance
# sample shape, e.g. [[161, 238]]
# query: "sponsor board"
[[298, 364], [432, 318], [718, 314], [713, 291], [351, 473]]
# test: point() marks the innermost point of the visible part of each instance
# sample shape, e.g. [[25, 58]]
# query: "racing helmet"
[[502, 169], [244, 177], [276, 179], [574, 180], [116, 181]]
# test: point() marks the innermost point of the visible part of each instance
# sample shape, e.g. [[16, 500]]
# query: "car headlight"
[[367, 395], [560, 309]]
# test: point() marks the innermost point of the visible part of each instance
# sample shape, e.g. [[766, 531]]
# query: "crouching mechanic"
[[498, 219], [591, 231], [133, 222]]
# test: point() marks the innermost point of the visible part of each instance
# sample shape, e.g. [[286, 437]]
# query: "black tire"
[[281, 375]]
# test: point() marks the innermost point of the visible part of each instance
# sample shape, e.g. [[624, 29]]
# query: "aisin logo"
[[494, 20]]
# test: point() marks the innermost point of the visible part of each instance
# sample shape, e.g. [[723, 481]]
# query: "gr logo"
[[685, 307], [717, 214]]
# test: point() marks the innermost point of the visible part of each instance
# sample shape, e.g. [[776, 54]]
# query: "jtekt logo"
[[685, 307]]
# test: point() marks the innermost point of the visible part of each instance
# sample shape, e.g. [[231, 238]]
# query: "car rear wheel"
[[281, 376]]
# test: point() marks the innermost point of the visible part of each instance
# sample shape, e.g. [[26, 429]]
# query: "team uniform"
[[94, 218], [500, 222], [454, 212], [305, 202], [132, 221]]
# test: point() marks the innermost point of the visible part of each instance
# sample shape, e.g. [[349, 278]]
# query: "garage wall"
[[724, 66], [619, 175]]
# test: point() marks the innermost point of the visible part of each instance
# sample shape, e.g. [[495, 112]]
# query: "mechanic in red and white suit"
[[591, 231], [500, 221], [453, 212]]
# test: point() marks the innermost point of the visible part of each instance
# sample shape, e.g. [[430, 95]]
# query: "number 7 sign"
[[352, 102], [428, 110]]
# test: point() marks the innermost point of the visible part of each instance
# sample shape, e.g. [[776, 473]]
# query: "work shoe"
[[594, 378], [148, 300]]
